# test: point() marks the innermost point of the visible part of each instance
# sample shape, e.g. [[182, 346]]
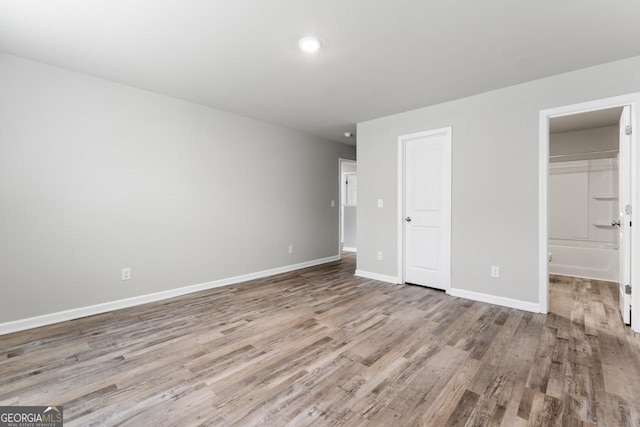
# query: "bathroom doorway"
[[588, 179]]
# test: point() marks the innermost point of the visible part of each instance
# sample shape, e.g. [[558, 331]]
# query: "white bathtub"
[[584, 259]]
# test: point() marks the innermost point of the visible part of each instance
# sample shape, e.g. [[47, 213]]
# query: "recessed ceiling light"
[[309, 44]]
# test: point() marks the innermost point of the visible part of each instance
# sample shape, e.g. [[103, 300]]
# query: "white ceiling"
[[584, 121], [378, 57]]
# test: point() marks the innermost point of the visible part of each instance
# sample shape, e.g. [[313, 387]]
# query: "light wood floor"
[[322, 347]]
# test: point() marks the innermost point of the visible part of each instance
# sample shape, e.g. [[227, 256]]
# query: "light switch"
[[380, 203], [333, 203]]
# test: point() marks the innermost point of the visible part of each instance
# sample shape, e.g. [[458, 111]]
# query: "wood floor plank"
[[321, 346]]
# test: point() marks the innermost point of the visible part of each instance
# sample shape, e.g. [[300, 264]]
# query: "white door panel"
[[625, 217], [426, 241], [427, 201]]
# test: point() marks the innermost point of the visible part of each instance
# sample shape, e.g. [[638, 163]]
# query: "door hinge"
[[627, 130], [627, 289]]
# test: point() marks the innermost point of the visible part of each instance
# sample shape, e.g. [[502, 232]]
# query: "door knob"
[[615, 223], [408, 219]]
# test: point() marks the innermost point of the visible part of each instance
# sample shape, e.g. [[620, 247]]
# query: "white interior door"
[[427, 208], [625, 212]]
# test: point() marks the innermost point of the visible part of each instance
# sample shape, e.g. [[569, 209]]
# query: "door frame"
[[345, 195], [632, 100], [402, 140], [341, 160]]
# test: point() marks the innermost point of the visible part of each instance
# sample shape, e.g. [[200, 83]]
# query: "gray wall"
[[350, 226], [96, 176], [495, 176]]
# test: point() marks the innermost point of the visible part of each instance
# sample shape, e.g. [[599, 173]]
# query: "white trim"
[[76, 313], [619, 101], [492, 299], [376, 276], [400, 214], [349, 249], [543, 218], [447, 131]]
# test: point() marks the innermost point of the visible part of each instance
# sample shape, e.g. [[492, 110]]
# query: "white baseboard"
[[376, 276], [76, 313], [349, 249], [492, 299]]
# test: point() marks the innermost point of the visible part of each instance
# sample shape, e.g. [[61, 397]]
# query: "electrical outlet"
[[290, 249], [379, 256], [126, 273], [495, 271], [333, 203]]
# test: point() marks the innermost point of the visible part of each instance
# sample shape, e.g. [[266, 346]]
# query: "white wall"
[[583, 201], [495, 177], [584, 141], [349, 167], [96, 176]]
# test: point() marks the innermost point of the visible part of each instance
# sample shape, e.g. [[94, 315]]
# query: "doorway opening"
[[348, 205], [588, 168]]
